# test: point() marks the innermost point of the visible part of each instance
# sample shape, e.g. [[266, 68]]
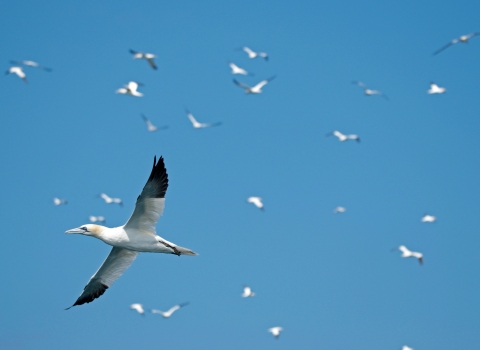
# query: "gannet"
[[169, 313], [369, 92], [110, 200], [138, 308], [435, 89], [96, 218], [237, 70], [31, 64], [339, 210], [342, 137], [137, 235], [198, 125], [152, 127], [276, 331], [406, 348], [406, 253], [257, 89], [429, 218], [462, 39], [130, 89], [247, 292], [252, 54], [257, 201], [148, 56], [58, 201], [18, 71]]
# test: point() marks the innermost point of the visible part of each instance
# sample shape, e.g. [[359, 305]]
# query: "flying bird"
[[169, 313], [110, 200], [147, 56], [435, 89], [339, 210], [138, 308], [58, 201], [252, 54], [257, 201], [462, 39], [130, 89], [247, 292], [406, 253], [406, 348], [257, 89], [198, 125], [152, 127], [342, 137], [237, 70], [96, 218], [369, 92], [18, 71], [31, 64], [137, 235], [276, 331], [429, 218]]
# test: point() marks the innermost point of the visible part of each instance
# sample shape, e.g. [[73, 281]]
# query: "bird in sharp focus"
[[462, 39], [137, 235], [252, 54], [143, 55], [58, 201], [198, 125], [237, 70], [152, 127], [276, 331], [435, 89], [369, 92], [257, 89], [341, 137], [257, 201], [110, 200], [406, 253], [167, 314], [18, 71], [429, 218], [31, 64], [138, 308], [247, 292], [130, 89]]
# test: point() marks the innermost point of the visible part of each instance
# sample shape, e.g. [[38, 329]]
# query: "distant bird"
[[130, 89], [435, 89], [342, 137], [31, 64], [406, 348], [462, 39], [369, 92], [137, 235], [152, 127], [429, 218], [169, 313], [237, 70], [253, 54], [247, 292], [257, 89], [406, 253], [147, 56], [138, 308], [276, 331], [257, 201], [18, 71], [110, 200], [58, 201], [198, 125], [339, 210], [96, 218]]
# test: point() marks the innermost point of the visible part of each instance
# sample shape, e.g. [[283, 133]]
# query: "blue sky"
[[329, 280]]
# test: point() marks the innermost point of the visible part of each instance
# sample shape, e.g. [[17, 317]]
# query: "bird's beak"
[[75, 230]]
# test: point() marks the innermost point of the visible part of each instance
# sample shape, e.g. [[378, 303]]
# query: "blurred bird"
[[342, 137], [257, 89], [257, 201], [247, 292], [18, 71], [152, 127], [31, 64], [169, 313], [406, 253], [462, 39], [138, 308], [58, 201], [406, 348], [339, 210], [198, 125], [435, 89], [130, 89], [237, 70], [137, 235], [369, 92], [276, 331], [253, 54], [429, 218], [147, 56], [96, 218], [110, 200]]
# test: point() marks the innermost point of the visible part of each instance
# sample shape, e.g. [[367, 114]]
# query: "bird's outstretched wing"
[[133, 52], [454, 41], [191, 117], [112, 268], [359, 83], [263, 83], [240, 84], [151, 63]]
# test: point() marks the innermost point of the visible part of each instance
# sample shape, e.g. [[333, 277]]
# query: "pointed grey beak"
[[75, 230]]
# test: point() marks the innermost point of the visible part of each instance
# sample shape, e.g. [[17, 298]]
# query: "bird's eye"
[[84, 228]]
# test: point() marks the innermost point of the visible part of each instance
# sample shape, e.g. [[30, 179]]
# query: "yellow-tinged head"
[[88, 230]]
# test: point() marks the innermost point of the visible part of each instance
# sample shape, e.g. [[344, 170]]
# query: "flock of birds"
[[139, 233]]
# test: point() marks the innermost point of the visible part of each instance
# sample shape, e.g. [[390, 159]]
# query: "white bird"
[[18, 71], [137, 235], [96, 218], [429, 218], [152, 127], [406, 253], [148, 56], [138, 308], [169, 313], [31, 64], [58, 201], [339, 210], [276, 331], [257, 89], [435, 89], [369, 92], [198, 125], [253, 54], [237, 70], [462, 39], [110, 200], [247, 292], [130, 89], [257, 201], [342, 137], [406, 348]]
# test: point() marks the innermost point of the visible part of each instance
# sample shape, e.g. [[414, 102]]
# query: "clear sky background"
[[329, 280]]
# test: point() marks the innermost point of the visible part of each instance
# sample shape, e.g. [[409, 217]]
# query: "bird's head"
[[87, 230]]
